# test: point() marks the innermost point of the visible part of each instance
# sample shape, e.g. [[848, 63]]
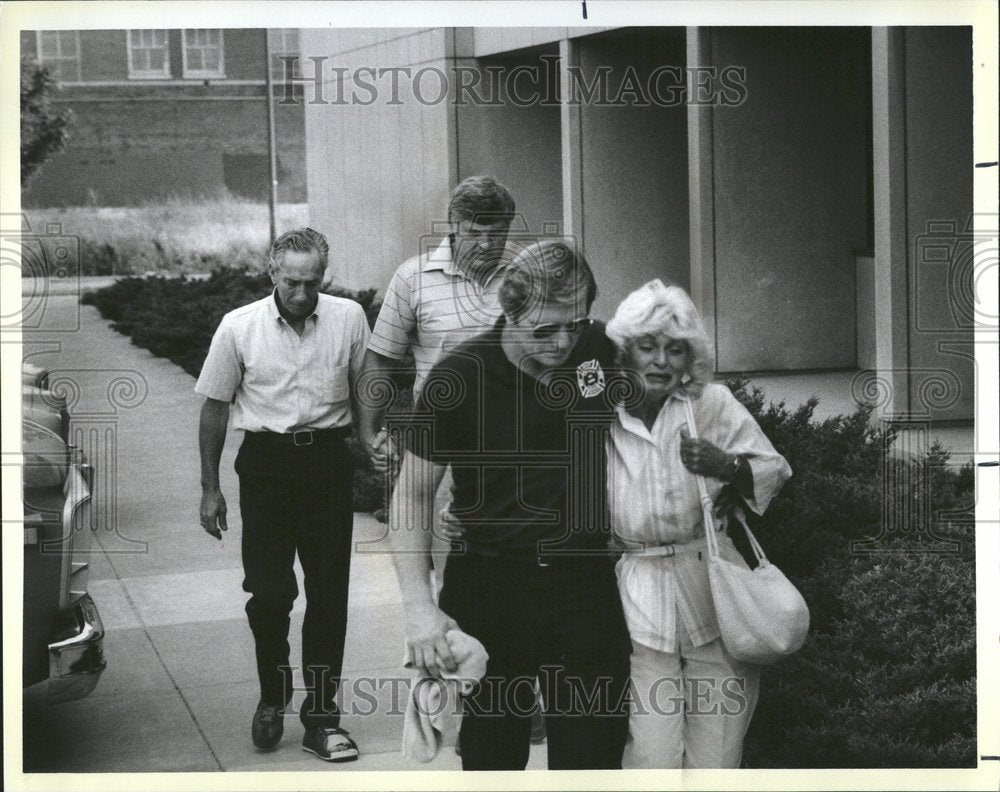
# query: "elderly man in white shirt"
[[289, 364], [692, 701]]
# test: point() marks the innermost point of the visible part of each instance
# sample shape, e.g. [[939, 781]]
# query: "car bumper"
[[76, 655]]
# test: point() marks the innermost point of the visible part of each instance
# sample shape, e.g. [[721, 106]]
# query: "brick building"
[[166, 113]]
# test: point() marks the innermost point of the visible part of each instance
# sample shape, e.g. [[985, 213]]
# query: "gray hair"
[[299, 240], [547, 271], [657, 308], [481, 199]]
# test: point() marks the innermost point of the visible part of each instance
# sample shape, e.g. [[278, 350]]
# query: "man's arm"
[[410, 524], [370, 406], [211, 438]]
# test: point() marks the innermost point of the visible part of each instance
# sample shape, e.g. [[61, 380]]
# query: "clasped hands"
[[382, 452]]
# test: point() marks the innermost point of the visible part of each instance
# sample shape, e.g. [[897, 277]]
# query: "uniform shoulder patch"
[[590, 378]]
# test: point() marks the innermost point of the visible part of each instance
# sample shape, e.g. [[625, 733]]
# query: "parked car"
[[63, 637]]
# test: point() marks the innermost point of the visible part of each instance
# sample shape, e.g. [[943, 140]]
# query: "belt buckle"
[[309, 437]]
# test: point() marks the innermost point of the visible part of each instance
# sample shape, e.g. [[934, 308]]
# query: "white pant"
[[689, 708]]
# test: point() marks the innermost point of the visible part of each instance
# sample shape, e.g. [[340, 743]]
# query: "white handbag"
[[761, 615]]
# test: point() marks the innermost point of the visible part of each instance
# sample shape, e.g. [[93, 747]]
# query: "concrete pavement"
[[180, 687]]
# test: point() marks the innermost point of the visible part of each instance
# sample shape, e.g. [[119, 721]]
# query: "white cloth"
[[433, 715], [654, 499], [283, 381]]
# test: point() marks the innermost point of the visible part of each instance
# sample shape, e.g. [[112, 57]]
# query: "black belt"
[[302, 437], [533, 557]]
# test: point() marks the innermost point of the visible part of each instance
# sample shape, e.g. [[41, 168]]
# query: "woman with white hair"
[[692, 702]]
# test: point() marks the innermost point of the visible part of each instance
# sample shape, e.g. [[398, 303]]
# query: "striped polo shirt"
[[431, 307]]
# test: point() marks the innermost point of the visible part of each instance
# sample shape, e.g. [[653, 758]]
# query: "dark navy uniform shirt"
[[528, 456]]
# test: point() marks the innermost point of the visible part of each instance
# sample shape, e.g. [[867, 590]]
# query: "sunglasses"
[[544, 331]]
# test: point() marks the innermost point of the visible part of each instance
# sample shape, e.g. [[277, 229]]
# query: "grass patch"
[[174, 237]]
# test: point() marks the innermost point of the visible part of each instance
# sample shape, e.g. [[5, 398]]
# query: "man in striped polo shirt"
[[442, 297], [445, 295]]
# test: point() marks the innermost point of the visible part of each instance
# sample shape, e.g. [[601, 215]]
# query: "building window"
[[284, 42], [148, 55], [203, 53], [59, 52]]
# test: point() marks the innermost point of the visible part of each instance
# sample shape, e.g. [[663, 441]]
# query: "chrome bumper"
[[76, 655]]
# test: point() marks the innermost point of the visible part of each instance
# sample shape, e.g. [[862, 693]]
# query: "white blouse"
[[654, 500]]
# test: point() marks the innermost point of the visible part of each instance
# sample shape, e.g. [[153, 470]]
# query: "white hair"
[[657, 308]]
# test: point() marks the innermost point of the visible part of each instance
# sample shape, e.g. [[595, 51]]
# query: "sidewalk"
[[180, 687]]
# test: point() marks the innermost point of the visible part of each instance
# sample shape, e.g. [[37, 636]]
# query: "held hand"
[[382, 452], [704, 458], [426, 646], [451, 528], [213, 513]]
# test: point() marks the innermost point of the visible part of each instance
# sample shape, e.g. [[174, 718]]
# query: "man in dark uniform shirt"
[[521, 413]]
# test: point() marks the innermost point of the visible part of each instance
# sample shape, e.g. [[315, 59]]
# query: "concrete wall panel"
[[634, 171], [496, 40], [939, 168], [380, 173], [519, 145], [790, 192]]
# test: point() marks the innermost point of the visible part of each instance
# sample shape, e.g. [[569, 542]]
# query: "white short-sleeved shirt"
[[654, 499], [281, 381], [432, 307]]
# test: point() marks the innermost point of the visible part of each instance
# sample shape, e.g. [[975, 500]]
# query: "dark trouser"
[[297, 499], [562, 623]]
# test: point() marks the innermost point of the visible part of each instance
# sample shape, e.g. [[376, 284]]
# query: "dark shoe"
[[330, 745], [268, 726]]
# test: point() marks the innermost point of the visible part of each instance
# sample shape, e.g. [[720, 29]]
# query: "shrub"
[[887, 675]]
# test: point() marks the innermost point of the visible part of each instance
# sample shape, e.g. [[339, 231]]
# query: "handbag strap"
[[707, 506]]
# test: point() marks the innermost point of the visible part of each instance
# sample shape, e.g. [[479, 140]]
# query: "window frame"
[[60, 58], [203, 74], [140, 74]]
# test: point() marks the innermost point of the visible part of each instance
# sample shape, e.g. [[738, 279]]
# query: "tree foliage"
[[44, 130]]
